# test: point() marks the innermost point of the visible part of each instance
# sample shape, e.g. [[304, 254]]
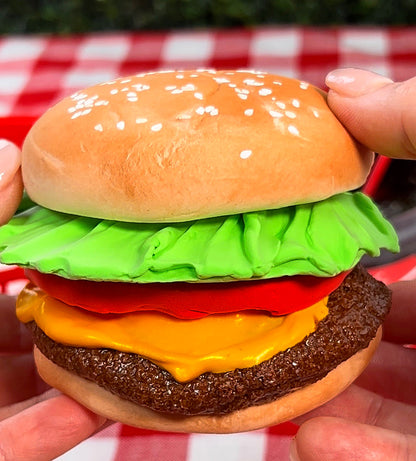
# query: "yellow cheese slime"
[[185, 348]]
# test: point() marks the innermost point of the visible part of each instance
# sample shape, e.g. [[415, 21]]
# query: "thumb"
[[335, 439], [11, 183], [379, 113]]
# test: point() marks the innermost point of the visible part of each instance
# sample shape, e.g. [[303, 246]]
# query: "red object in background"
[[376, 175], [15, 129], [8, 275]]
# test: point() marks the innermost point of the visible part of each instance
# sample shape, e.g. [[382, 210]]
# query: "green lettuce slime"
[[321, 239]]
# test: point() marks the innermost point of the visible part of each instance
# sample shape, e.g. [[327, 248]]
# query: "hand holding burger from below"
[[172, 190]]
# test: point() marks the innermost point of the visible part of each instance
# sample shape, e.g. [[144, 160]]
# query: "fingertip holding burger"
[[194, 255], [351, 82], [11, 184]]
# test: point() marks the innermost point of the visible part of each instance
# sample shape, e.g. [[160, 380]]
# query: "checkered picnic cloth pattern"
[[122, 443], [36, 71]]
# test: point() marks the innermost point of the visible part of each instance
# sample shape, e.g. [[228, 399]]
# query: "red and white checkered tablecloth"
[[36, 71]]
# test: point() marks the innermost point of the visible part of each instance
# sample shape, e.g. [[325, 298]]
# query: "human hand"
[[11, 183], [378, 112], [376, 417], [35, 423]]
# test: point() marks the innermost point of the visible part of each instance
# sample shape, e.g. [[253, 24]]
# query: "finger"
[[19, 379], [14, 409], [14, 336], [363, 406], [377, 112], [400, 323], [11, 183], [391, 373], [333, 439], [46, 430]]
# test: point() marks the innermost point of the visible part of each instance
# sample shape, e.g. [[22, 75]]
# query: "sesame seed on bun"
[[175, 146]]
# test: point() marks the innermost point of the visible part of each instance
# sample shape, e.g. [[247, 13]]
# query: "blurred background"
[[50, 49], [77, 16]]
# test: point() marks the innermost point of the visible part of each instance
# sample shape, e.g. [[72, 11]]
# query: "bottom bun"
[[286, 408]]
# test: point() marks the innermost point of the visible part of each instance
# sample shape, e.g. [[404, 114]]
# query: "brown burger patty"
[[356, 310]]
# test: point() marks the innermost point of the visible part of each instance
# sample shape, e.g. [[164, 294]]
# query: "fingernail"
[[355, 82], [10, 160], [293, 451]]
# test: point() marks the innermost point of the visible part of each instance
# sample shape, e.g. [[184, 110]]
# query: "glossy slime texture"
[[356, 310], [186, 348]]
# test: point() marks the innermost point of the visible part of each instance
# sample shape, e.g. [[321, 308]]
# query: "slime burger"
[[193, 255]]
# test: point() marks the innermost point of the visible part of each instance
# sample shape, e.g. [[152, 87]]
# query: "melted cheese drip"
[[185, 348]]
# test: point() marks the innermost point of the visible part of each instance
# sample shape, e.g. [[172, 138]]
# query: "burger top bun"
[[182, 145]]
